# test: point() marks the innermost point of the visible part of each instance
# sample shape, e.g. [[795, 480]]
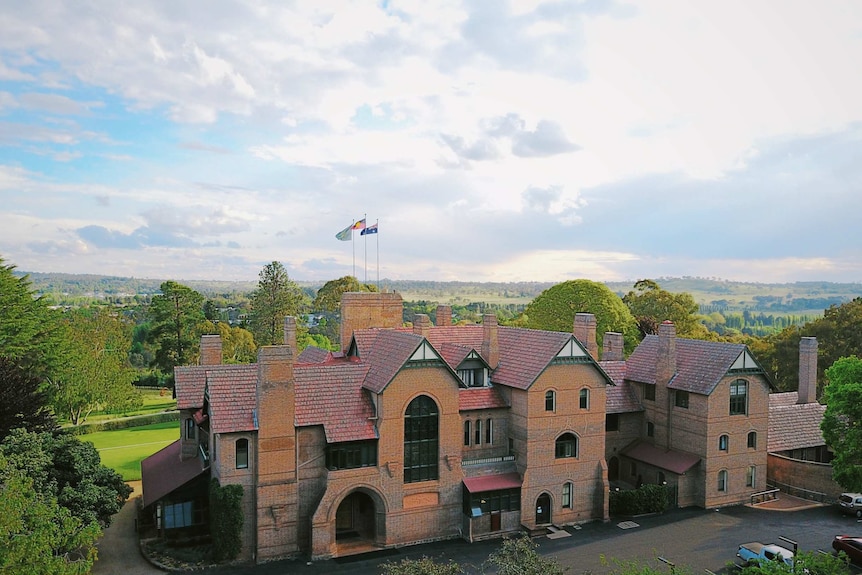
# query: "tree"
[[24, 401], [554, 309], [175, 315], [842, 421], [518, 556], [96, 373], [808, 562], [651, 305], [329, 296], [276, 297], [37, 535], [69, 471], [28, 328], [237, 343]]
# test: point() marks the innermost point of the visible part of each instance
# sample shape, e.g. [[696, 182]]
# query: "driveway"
[[118, 548]]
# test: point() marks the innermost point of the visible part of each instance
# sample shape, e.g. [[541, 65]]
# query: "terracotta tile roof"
[[700, 364], [783, 399], [485, 483], [363, 339], [525, 353], [313, 354], [190, 381], [331, 395], [675, 461], [390, 352], [453, 354], [163, 472], [232, 398], [794, 426], [621, 397], [480, 398]]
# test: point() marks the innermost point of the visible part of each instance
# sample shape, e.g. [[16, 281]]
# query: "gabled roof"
[[621, 397], [164, 472], [190, 382], [793, 425], [700, 365], [331, 395], [453, 354], [526, 353], [387, 356], [313, 354], [480, 398], [232, 398]]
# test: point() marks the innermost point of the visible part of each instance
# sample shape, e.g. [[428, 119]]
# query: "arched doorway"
[[613, 469], [543, 509], [355, 519]]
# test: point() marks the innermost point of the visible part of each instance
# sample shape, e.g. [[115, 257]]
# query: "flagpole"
[[353, 245], [377, 245], [365, 245]]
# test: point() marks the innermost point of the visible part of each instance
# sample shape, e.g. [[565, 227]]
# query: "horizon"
[[526, 139]]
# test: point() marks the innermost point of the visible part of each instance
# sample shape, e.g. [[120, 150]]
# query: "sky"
[[489, 140]]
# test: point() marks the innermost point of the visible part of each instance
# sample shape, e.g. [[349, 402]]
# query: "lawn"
[[123, 450], [155, 401]]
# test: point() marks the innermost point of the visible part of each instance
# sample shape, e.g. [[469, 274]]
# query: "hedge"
[[124, 423], [645, 499]]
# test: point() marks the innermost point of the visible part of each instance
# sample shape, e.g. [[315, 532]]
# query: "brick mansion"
[[442, 431]]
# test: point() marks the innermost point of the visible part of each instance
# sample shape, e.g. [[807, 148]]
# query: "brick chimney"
[[290, 334], [210, 350], [490, 344], [422, 325], [612, 346], [362, 310], [585, 332], [444, 315], [807, 370], [666, 358], [276, 485]]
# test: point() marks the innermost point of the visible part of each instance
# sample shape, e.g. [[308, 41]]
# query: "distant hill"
[[711, 294]]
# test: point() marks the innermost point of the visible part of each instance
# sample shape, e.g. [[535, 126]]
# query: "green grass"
[[154, 402], [124, 449]]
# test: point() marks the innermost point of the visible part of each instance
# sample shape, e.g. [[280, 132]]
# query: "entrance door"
[[495, 521], [355, 518], [543, 509], [613, 469]]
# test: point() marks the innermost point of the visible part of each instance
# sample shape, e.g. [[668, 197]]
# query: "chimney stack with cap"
[[807, 370], [585, 332]]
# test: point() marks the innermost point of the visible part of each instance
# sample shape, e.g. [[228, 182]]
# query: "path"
[[118, 548]]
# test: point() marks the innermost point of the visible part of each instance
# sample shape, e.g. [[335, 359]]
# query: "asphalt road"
[[693, 538]]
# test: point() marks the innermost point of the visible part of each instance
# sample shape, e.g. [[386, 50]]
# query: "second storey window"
[[681, 399], [649, 392], [467, 432], [420, 440], [739, 397], [723, 440], [550, 400], [584, 399], [566, 446], [752, 439], [242, 453], [489, 431], [351, 455]]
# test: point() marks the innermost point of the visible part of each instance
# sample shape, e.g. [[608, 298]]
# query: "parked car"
[[851, 503], [756, 552], [850, 545]]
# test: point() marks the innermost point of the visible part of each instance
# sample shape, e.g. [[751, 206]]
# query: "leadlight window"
[[421, 437], [739, 397], [566, 446], [550, 400], [351, 455]]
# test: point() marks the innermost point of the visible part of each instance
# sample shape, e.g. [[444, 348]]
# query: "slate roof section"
[[454, 354], [390, 352], [480, 398], [677, 462], [331, 395], [525, 353], [792, 425], [622, 397], [700, 365], [190, 382], [232, 398], [313, 354], [164, 472]]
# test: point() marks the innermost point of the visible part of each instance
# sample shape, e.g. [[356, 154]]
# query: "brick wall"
[[361, 310], [804, 475], [223, 468]]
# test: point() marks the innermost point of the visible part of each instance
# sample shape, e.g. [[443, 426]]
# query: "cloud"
[[547, 139], [55, 104]]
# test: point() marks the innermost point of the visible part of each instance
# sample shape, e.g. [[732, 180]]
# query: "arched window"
[[489, 431], [478, 432], [420, 440], [723, 441], [242, 453], [722, 480], [650, 429], [567, 495], [584, 398], [752, 439], [751, 476], [739, 397], [467, 432], [566, 446], [550, 400]]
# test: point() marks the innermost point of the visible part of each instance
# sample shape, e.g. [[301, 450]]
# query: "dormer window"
[[473, 377]]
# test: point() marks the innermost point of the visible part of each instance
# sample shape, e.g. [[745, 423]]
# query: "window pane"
[[242, 454], [420, 440], [584, 399], [549, 401]]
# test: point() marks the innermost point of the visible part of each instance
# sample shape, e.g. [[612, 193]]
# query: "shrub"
[[226, 520], [645, 499]]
